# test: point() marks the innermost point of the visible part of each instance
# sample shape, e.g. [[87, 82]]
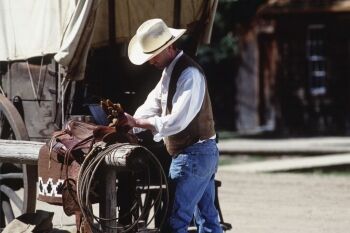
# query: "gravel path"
[[285, 203]]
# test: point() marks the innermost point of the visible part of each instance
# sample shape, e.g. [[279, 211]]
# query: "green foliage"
[[225, 38], [226, 48]]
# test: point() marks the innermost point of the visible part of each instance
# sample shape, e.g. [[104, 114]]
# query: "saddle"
[[60, 160]]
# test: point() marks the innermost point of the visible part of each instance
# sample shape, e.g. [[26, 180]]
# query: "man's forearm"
[[144, 123]]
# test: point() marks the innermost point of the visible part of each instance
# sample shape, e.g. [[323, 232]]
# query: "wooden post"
[[108, 200]]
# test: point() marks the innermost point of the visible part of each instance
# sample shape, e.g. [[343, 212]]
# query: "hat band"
[[172, 37]]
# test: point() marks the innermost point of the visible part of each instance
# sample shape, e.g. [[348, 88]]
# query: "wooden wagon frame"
[[65, 64]]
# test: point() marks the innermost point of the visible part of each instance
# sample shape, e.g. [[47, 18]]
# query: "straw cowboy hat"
[[151, 38]]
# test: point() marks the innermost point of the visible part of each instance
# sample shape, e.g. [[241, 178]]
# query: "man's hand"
[[115, 113], [130, 120]]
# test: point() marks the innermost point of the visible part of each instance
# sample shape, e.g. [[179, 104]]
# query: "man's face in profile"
[[163, 59]]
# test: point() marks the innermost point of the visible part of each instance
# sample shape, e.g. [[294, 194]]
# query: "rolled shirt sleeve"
[[151, 107]]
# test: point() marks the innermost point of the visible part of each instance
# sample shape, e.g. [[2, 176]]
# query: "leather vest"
[[202, 126]]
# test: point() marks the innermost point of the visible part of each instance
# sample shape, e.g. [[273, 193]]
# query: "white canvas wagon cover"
[[69, 28]]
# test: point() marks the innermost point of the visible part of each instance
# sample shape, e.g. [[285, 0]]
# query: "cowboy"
[[178, 110]]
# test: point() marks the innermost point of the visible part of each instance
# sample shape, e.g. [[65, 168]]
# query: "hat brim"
[[138, 57]]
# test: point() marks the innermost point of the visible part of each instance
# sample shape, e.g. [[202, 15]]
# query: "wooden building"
[[304, 66]]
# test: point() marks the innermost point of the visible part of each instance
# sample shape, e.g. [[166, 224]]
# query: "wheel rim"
[[15, 129]]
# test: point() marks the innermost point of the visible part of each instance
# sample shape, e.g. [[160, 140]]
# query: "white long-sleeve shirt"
[[187, 101]]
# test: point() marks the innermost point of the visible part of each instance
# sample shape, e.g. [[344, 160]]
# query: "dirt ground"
[[285, 203], [270, 203]]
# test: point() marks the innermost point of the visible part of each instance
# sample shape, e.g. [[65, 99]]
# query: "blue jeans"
[[192, 172]]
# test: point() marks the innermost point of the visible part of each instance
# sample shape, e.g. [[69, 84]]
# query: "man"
[[179, 111]]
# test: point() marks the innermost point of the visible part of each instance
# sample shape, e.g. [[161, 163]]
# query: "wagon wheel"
[[15, 176]]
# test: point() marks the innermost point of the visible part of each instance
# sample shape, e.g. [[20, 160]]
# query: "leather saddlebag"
[[59, 163]]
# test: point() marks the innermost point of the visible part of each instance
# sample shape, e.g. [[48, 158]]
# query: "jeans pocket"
[[178, 165]]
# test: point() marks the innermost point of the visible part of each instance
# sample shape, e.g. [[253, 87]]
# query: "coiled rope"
[[141, 162]]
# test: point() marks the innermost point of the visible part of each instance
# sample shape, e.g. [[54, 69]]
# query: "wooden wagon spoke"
[[11, 176], [2, 217], [5, 128], [2, 90], [7, 209], [12, 195]]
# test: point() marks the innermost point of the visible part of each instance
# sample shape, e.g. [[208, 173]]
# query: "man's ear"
[[171, 49]]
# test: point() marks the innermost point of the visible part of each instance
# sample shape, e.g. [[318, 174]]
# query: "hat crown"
[[153, 34]]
